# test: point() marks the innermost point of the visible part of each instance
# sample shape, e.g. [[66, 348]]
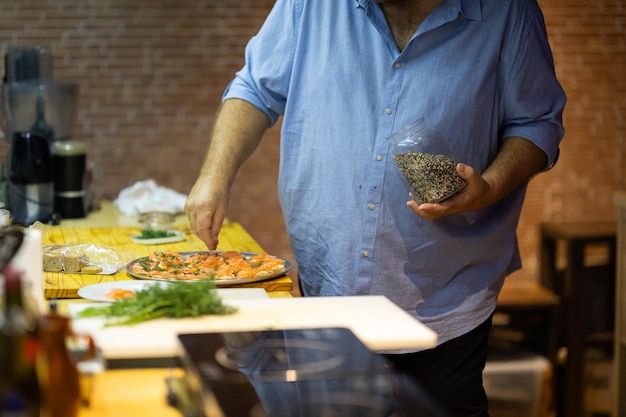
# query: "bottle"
[[59, 377], [19, 350]]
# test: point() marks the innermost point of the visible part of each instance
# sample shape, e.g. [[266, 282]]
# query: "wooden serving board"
[[61, 285]]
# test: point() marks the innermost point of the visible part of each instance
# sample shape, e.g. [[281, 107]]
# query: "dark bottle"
[[19, 350], [59, 377]]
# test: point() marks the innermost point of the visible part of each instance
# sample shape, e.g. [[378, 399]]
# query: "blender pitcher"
[[30, 65], [46, 108]]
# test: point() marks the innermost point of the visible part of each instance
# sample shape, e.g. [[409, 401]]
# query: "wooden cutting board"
[[61, 285], [375, 320]]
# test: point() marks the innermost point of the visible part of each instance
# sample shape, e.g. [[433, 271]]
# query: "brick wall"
[[151, 74]]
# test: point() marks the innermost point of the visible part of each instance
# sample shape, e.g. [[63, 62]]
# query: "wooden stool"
[[568, 269]]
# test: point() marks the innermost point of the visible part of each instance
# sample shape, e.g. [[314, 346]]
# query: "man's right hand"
[[238, 129], [206, 209]]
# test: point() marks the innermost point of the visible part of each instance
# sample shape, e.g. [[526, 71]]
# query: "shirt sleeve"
[[264, 79], [533, 98]]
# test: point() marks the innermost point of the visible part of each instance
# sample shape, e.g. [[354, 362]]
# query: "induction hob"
[[294, 373]]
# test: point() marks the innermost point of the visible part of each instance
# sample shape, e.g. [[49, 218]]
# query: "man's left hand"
[[473, 196]]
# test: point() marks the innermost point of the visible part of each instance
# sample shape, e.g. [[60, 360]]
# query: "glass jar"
[[425, 163], [156, 220]]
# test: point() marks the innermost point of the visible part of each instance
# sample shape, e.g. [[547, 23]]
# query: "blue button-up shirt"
[[476, 71]]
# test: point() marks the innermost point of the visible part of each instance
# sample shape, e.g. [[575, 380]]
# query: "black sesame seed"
[[432, 178]]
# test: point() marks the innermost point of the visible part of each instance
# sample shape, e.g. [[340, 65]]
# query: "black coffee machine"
[[46, 167]]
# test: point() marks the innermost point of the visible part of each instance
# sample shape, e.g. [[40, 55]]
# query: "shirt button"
[[366, 254], [388, 110], [372, 206], [398, 65], [379, 157]]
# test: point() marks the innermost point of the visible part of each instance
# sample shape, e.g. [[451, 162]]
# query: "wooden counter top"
[[137, 391], [128, 392], [103, 228]]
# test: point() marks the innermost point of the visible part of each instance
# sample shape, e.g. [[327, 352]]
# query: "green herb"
[[155, 234], [174, 300], [145, 263]]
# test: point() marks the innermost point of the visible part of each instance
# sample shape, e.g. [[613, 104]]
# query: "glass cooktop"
[[295, 373]]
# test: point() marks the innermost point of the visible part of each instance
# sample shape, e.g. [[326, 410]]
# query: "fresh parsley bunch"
[[173, 300], [155, 234]]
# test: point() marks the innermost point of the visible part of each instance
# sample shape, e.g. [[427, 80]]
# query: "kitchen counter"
[[110, 229], [129, 393], [133, 391], [138, 387]]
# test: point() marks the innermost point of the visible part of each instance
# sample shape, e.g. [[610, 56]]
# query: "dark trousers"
[[451, 374]]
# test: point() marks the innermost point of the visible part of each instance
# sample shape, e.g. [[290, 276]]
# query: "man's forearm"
[[238, 129], [516, 163]]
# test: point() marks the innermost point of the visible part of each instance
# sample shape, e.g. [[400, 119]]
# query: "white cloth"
[[145, 196]]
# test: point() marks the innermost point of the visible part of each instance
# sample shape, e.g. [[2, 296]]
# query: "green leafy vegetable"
[[155, 234], [175, 300]]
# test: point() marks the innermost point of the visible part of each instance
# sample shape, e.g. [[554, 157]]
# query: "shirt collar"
[[469, 8]]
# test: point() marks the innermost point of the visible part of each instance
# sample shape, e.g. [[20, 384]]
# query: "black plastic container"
[[69, 161]]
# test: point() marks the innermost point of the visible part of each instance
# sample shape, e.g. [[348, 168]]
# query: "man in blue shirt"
[[345, 75]]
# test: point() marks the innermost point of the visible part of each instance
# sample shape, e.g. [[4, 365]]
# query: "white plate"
[[179, 237], [97, 292]]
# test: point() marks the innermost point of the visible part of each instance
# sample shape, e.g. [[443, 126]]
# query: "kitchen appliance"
[[44, 107], [25, 64], [282, 373], [33, 103], [70, 160], [30, 179]]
